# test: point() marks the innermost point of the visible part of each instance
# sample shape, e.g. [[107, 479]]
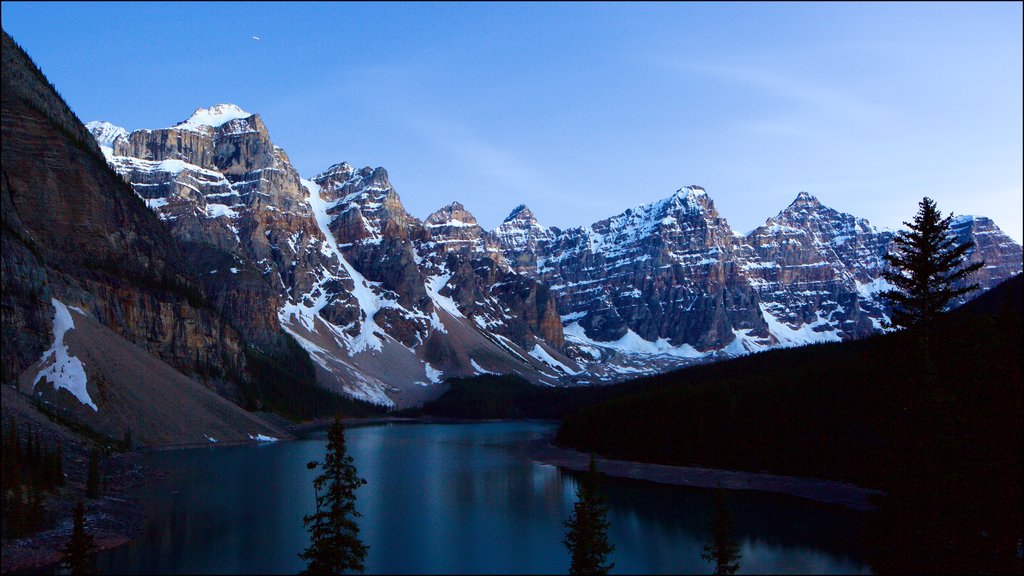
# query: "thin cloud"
[[490, 162], [802, 93], [255, 37]]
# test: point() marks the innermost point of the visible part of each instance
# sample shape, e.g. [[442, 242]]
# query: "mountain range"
[[198, 242]]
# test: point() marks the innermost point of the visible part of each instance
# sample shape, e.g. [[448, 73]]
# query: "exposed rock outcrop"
[[73, 230]]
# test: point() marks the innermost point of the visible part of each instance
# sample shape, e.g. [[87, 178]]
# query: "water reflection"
[[455, 499]]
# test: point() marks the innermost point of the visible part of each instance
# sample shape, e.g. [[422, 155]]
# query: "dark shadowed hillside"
[[946, 441]]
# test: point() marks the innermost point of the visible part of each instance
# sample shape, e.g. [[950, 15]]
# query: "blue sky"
[[582, 110]]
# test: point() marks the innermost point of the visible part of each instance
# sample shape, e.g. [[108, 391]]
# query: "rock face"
[[387, 304], [73, 231], [368, 290], [238, 207], [661, 272], [520, 237], [816, 271], [671, 283], [216, 243], [1001, 254]]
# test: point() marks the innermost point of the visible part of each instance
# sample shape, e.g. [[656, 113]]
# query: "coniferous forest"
[[944, 442]]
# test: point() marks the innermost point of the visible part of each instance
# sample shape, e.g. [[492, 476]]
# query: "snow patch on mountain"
[[541, 354], [369, 302], [105, 133], [479, 369], [212, 117], [633, 344], [821, 330], [66, 371], [433, 374]]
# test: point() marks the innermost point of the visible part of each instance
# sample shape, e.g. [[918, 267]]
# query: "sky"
[[582, 110]]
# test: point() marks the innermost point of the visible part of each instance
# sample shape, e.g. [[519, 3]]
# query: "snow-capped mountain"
[[1000, 253], [670, 282], [387, 304], [816, 271]]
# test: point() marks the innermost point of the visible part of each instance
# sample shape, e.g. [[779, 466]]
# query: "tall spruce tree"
[[334, 534], [587, 539], [80, 551], [722, 549], [926, 268]]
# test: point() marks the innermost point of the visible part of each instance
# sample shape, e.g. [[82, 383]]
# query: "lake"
[[454, 498]]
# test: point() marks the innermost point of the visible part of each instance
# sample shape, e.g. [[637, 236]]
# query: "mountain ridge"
[[657, 286]]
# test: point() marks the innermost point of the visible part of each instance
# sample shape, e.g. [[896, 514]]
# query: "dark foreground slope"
[[942, 436], [75, 234]]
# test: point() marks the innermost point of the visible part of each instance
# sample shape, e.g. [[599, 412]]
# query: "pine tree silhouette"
[[722, 549], [925, 268], [587, 539], [334, 534], [80, 551]]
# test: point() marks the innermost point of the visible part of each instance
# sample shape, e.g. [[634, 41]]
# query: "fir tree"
[[80, 551], [722, 549], [587, 539], [925, 268], [334, 534]]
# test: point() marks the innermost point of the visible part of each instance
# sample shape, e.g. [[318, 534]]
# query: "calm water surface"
[[454, 498]]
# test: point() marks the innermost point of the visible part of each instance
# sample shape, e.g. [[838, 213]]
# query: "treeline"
[[284, 381], [831, 410], [487, 397], [31, 468], [935, 422]]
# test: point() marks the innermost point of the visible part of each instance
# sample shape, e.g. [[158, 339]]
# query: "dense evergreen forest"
[[827, 410], [489, 397], [938, 428]]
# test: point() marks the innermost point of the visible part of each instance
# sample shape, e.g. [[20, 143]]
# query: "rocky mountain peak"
[[213, 117], [1002, 256], [375, 178], [688, 198], [804, 201], [105, 133], [521, 212], [340, 171], [454, 214], [520, 226]]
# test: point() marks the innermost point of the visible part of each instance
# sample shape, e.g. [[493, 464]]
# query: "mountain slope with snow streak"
[[335, 261], [387, 305]]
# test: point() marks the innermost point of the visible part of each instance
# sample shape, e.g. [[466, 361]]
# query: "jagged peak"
[[965, 219], [214, 116], [343, 170], [805, 199], [521, 212], [685, 191], [452, 207], [693, 198], [362, 180], [803, 205], [454, 214], [104, 132]]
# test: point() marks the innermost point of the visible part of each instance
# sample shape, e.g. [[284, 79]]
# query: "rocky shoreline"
[[112, 519], [823, 491]]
